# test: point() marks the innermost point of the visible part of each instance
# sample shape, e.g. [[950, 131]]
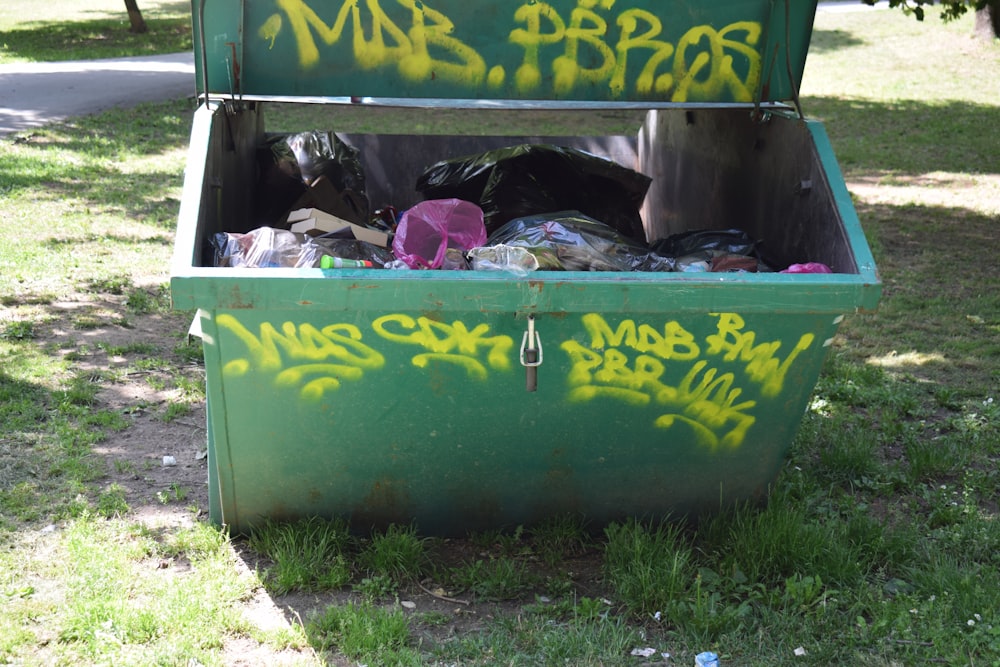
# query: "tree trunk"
[[988, 21], [135, 17]]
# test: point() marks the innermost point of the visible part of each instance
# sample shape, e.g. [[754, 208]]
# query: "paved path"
[[33, 94]]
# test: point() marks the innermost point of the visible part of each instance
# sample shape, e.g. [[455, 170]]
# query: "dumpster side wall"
[[721, 169]]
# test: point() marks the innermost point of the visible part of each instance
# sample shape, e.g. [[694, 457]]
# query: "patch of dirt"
[[159, 460]]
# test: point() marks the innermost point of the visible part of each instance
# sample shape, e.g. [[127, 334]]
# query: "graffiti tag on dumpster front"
[[317, 360], [548, 48], [630, 364], [448, 343], [698, 382]]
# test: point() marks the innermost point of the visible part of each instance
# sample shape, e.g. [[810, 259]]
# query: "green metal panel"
[[391, 416], [650, 51]]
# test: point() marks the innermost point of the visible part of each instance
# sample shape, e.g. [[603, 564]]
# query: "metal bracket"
[[531, 355], [763, 85], [204, 50], [531, 346], [788, 59], [234, 62]]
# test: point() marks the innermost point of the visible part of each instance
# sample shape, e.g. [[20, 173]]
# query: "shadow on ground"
[[49, 41]]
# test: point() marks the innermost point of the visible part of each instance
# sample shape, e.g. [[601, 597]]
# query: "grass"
[[878, 545], [306, 555], [84, 29]]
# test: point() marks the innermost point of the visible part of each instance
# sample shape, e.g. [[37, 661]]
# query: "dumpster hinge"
[[235, 69], [788, 59], [531, 354], [764, 84], [203, 42]]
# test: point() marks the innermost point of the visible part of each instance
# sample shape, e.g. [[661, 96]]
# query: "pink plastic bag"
[[426, 231], [808, 267]]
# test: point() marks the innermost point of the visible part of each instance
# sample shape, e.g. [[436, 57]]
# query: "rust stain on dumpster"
[[235, 301], [387, 502]]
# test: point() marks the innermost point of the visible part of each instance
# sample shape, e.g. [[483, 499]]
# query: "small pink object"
[[808, 267], [428, 229]]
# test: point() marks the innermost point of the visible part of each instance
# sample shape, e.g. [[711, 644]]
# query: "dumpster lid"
[[561, 52]]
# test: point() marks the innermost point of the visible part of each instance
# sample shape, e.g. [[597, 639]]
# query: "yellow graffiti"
[[675, 342], [711, 71], [761, 364], [468, 66], [449, 343], [408, 50], [271, 29], [300, 352], [648, 82], [703, 397], [703, 77], [531, 38], [711, 402], [629, 363], [567, 66], [592, 47], [664, 368]]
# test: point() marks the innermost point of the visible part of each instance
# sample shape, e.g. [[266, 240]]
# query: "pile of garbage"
[[523, 208]]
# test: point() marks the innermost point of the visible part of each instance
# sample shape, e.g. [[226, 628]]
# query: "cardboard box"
[[315, 222]]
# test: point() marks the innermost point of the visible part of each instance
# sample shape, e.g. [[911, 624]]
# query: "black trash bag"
[[714, 242], [529, 179], [355, 249], [572, 241], [316, 169], [325, 154]]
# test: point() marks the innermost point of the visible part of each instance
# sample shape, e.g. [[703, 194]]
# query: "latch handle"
[[531, 354]]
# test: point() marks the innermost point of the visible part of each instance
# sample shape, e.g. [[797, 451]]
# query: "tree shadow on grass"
[[939, 317], [87, 168], [831, 40], [47, 41], [941, 285], [910, 137]]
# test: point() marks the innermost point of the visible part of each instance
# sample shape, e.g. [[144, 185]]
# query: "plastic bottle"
[[706, 659], [502, 257]]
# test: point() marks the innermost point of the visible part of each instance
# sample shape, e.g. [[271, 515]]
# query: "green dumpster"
[[392, 396]]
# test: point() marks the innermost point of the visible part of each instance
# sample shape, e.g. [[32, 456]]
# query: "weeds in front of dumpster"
[[306, 555], [398, 555]]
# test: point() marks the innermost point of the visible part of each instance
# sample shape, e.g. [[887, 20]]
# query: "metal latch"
[[531, 354]]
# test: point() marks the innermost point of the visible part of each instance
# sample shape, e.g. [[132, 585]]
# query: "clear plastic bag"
[[572, 241], [267, 247], [515, 259]]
